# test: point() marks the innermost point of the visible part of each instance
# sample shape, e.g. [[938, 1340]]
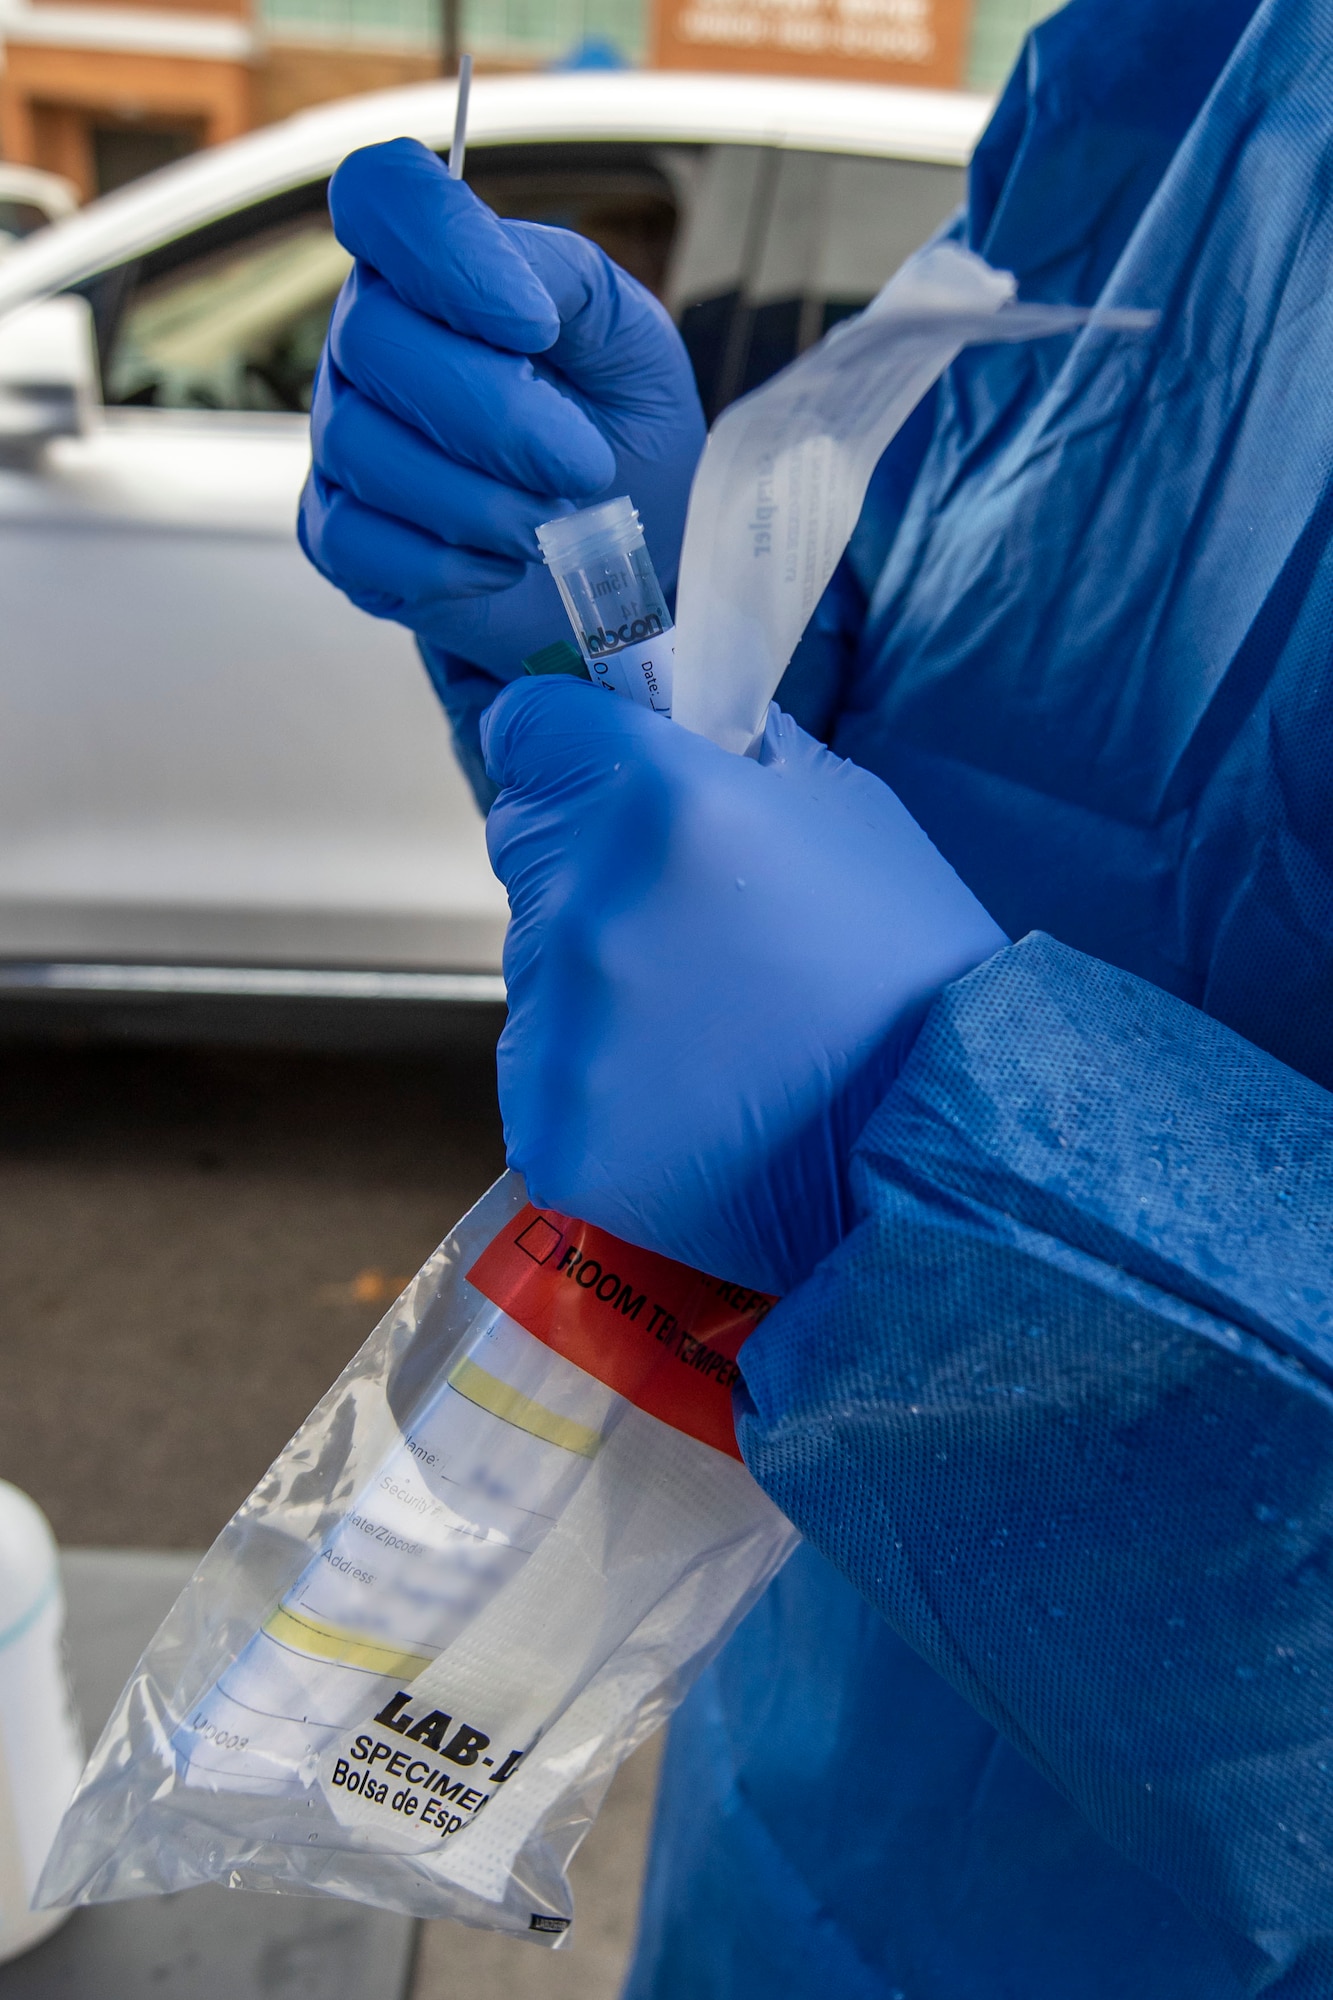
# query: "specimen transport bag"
[[485, 1568]]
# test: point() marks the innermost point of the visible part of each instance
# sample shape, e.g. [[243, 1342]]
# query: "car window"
[[239, 329], [233, 316], [631, 200], [717, 247], [784, 244], [879, 212], [756, 251]]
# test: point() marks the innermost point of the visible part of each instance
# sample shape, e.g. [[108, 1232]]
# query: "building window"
[[124, 149], [518, 33], [998, 28]]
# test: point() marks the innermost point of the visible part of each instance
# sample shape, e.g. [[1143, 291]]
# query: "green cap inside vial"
[[561, 658]]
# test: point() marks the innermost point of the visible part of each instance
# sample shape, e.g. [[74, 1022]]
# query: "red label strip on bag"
[[660, 1334]]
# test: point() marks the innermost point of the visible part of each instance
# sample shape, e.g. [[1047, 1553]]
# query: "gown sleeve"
[[1061, 1407]]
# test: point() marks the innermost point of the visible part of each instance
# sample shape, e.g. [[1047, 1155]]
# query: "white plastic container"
[[41, 1753]]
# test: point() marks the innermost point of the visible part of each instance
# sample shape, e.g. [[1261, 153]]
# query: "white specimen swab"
[[458, 150]]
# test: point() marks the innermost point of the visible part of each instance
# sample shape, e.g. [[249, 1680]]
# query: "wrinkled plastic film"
[[785, 471], [474, 1581]]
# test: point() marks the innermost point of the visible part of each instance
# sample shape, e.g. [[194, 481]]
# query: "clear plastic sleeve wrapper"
[[785, 471], [487, 1566]]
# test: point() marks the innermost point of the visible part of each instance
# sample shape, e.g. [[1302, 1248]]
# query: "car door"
[[207, 753]]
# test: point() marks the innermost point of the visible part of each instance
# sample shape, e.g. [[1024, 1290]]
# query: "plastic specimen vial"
[[481, 1475], [609, 587]]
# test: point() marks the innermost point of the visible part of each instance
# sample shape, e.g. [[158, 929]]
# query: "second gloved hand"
[[716, 967]]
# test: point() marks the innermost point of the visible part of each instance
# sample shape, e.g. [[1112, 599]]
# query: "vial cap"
[[609, 528]]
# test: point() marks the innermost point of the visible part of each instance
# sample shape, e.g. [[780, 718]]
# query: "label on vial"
[[642, 671]]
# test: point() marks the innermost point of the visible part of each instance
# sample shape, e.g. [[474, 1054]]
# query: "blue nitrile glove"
[[439, 445], [716, 967]]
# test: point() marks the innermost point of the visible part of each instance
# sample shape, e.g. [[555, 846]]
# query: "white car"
[[217, 778]]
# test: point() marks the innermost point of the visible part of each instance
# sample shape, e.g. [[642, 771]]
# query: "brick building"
[[102, 91]]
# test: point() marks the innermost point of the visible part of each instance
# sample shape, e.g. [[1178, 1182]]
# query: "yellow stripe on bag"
[[488, 1392], [338, 1642]]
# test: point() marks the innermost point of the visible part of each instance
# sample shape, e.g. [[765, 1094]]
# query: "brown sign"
[[874, 41]]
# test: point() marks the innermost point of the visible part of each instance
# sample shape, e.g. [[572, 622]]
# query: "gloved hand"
[[439, 444], [716, 967]]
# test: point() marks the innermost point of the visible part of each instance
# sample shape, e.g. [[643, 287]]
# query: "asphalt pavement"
[[192, 1243]]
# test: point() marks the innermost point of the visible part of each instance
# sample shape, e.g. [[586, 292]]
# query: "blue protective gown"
[[1044, 1707]]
